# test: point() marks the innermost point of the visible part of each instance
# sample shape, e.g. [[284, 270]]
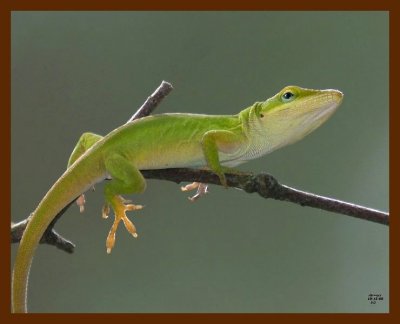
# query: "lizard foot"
[[119, 207], [201, 190], [81, 203]]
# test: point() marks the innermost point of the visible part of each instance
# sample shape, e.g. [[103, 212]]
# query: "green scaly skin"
[[170, 141]]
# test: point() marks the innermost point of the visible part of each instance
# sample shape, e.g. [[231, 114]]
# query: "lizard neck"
[[255, 132]]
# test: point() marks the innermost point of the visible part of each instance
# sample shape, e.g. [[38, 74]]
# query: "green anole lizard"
[[169, 141]]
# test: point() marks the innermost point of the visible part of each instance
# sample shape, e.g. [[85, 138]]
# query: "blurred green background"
[[229, 252]]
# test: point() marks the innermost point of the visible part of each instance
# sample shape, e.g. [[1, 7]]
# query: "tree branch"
[[264, 184], [268, 187]]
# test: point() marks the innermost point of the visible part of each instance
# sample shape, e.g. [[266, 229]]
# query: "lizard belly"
[[165, 157]]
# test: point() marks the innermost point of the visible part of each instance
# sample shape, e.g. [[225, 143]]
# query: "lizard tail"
[[70, 185]]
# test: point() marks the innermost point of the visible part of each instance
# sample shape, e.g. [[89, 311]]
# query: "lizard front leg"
[[216, 141]]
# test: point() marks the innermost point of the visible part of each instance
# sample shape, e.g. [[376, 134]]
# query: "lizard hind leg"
[[126, 179], [202, 189]]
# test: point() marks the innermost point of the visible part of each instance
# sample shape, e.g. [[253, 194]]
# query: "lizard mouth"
[[332, 101], [325, 111]]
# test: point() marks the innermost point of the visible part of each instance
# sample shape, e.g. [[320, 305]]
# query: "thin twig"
[[152, 101]]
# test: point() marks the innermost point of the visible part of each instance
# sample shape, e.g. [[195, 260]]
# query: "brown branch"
[[268, 187], [264, 184], [152, 101]]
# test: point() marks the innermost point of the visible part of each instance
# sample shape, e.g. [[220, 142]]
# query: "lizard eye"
[[287, 96]]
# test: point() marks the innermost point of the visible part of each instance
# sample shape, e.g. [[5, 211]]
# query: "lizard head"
[[295, 112]]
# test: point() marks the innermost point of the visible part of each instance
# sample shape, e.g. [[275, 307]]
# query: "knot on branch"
[[264, 184]]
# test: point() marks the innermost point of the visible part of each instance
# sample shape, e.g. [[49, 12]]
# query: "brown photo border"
[[7, 6]]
